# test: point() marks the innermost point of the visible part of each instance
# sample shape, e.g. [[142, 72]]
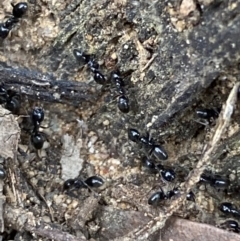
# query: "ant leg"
[[150, 153], [204, 122]]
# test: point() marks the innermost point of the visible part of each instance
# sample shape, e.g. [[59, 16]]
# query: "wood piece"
[[44, 87], [178, 229]]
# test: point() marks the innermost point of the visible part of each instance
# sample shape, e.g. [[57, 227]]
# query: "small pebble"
[[106, 123], [114, 56], [46, 219], [232, 177]]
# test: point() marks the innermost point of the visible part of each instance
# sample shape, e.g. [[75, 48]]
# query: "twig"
[[20, 219], [149, 62]]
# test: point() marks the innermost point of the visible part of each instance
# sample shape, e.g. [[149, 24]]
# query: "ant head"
[[19, 9]]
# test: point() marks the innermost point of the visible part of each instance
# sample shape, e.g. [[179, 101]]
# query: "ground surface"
[[176, 57]]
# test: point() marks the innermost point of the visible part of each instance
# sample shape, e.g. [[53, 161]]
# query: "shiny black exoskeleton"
[[172, 193], [37, 138], [134, 135], [149, 164], [229, 208], [206, 179], [191, 196], [94, 181], [4, 31], [74, 183], [123, 102], [81, 56], [77, 183], [7, 26], [156, 198], [215, 181], [10, 99], [68, 184], [84, 58], [208, 114], [231, 225], [37, 116], [167, 174], [97, 75], [2, 174], [18, 11], [159, 196], [149, 143]]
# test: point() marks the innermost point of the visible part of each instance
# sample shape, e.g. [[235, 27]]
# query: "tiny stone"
[[46, 219], [31, 174], [93, 139], [89, 37], [232, 177], [91, 133], [91, 150], [106, 123], [202, 188], [34, 181], [74, 204], [114, 56], [57, 199], [149, 125]]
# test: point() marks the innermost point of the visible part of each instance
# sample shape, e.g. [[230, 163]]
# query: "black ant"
[[215, 181], [18, 11], [37, 116], [207, 115], [92, 65], [167, 174], [190, 196], [77, 183], [159, 196], [10, 99], [231, 225], [123, 102], [229, 208], [7, 26], [147, 142], [149, 164]]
